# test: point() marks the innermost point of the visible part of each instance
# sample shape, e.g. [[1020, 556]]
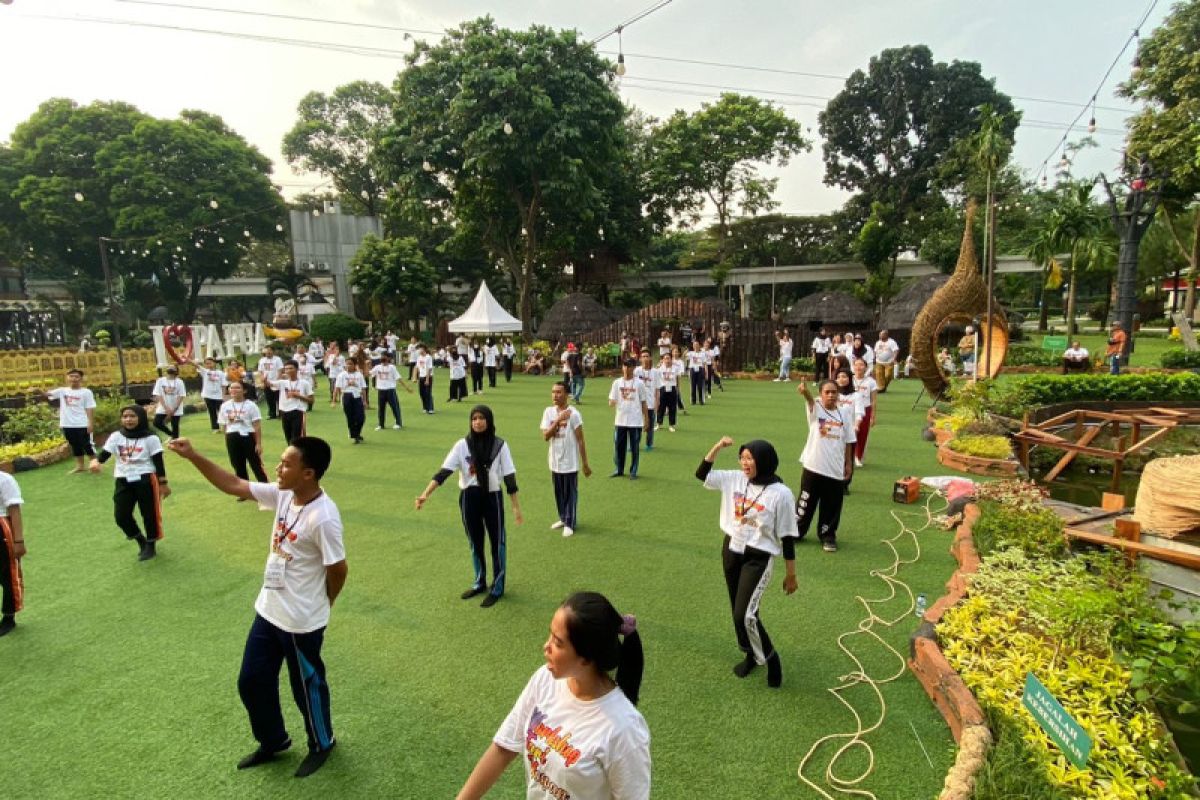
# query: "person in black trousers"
[[476, 359], [458, 375], [242, 421], [12, 550], [509, 352], [350, 387], [141, 478], [482, 460], [425, 378]]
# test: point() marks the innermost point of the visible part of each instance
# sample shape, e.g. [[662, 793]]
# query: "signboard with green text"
[[1056, 722]]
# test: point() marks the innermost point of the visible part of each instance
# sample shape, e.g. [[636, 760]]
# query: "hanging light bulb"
[[159, 241], [425, 165], [246, 234], [620, 65], [1045, 180], [1092, 125], [279, 227], [220, 240], [1063, 163], [316, 212], [79, 197], [213, 204], [198, 245], [508, 128], [365, 195]]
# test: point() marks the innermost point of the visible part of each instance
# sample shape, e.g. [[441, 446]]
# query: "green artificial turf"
[[120, 680]]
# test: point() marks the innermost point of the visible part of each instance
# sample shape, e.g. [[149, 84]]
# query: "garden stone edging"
[[977, 465], [942, 683]]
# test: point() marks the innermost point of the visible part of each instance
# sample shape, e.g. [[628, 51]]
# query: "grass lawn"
[[120, 679]]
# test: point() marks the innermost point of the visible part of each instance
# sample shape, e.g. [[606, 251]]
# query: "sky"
[[1056, 50]]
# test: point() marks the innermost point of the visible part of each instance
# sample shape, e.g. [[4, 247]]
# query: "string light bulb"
[[620, 54], [425, 165], [79, 197], [508, 128], [1092, 125], [1137, 53], [213, 204], [279, 227]]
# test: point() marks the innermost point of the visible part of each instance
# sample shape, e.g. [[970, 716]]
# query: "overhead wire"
[[639, 16]]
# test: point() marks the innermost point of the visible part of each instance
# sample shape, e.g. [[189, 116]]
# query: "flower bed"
[[1088, 628], [977, 465]]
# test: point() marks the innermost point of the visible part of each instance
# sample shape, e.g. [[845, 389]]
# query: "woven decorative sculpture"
[[963, 298]]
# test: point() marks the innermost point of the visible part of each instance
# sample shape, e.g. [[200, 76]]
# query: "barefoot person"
[[828, 460], [141, 478], [76, 416], [12, 550], [482, 460], [305, 572], [562, 427], [578, 728], [758, 517]]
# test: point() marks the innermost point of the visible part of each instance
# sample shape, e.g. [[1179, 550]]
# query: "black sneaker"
[[489, 601], [262, 756], [6, 625], [473, 591], [774, 671], [313, 761], [745, 666], [829, 547], [147, 552]]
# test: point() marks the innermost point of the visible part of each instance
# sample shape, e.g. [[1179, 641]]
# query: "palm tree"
[[1078, 227], [289, 283]]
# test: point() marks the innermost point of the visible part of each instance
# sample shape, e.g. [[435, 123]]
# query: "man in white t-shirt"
[[651, 380], [269, 368], [562, 427], [213, 384], [509, 354], [169, 394], [305, 573], [887, 351], [316, 354], [76, 417], [1075, 359], [628, 396], [425, 378], [12, 550], [828, 460], [697, 377], [410, 356], [295, 398], [386, 378]]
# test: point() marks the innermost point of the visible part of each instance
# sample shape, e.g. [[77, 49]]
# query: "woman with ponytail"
[[759, 522], [576, 726]]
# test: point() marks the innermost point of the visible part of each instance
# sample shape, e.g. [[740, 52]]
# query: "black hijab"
[[849, 387], [483, 447], [143, 427], [766, 462]]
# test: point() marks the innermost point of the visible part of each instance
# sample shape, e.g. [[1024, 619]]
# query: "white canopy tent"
[[485, 315]]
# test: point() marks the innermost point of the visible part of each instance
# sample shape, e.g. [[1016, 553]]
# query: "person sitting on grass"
[[1076, 359]]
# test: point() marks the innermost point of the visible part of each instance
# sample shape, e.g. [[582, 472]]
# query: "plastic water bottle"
[[921, 603]]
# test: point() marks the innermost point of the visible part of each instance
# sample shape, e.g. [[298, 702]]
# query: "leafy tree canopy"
[[394, 277]]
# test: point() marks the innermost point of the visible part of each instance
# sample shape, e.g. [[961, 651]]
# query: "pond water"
[[1083, 489]]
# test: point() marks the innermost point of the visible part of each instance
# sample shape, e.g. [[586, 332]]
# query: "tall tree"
[[709, 158], [890, 135], [289, 283], [337, 135], [1076, 225], [514, 137], [395, 278], [1166, 130]]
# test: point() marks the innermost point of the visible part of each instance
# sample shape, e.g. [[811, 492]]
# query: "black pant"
[[213, 407], [272, 396], [484, 511], [667, 406], [491, 377], [267, 647], [425, 388], [356, 415], [821, 495], [242, 453], [293, 425], [12, 588], [696, 379], [160, 421], [566, 496], [627, 438], [412, 366], [508, 365], [386, 398], [477, 378], [143, 495], [746, 577], [458, 389], [821, 366], [80, 441]]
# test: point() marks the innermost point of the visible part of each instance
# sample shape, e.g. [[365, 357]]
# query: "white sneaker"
[[378, 427], [777, 380], [858, 462], [556, 525], [658, 427], [671, 429], [568, 532], [395, 427]]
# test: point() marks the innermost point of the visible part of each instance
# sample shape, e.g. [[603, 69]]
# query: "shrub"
[[1181, 359], [336, 327], [1036, 531], [1014, 397], [983, 427], [987, 446], [11, 452], [34, 421], [1031, 357]]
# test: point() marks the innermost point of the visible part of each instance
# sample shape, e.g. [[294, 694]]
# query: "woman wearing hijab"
[[141, 478], [852, 406], [758, 517], [482, 460]]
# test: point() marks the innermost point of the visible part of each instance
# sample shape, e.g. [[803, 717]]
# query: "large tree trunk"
[[1190, 305]]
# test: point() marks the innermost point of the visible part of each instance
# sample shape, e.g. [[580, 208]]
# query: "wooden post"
[[1078, 425], [1130, 531], [1137, 432], [1116, 478]]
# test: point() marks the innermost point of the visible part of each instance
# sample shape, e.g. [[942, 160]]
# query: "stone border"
[[942, 683], [977, 465]]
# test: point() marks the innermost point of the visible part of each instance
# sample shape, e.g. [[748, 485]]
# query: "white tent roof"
[[485, 315]]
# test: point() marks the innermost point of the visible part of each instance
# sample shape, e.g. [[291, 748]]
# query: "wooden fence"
[[26, 371]]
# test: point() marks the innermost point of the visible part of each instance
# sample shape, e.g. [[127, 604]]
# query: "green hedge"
[[1013, 398], [1032, 357], [1181, 359]]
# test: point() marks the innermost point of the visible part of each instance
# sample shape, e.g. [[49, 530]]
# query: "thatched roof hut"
[[902, 309], [832, 309], [573, 316]]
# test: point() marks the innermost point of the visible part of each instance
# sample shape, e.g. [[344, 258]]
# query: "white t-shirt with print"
[[629, 396], [293, 403], [828, 434], [459, 460], [886, 352], [385, 376], [667, 377], [172, 391], [490, 354], [753, 516], [351, 383], [458, 368], [213, 383], [695, 359], [132, 458], [424, 365], [239, 418], [335, 365], [72, 406], [651, 380], [866, 386], [10, 493], [564, 449], [576, 748], [821, 344], [269, 367], [307, 539], [785, 348]]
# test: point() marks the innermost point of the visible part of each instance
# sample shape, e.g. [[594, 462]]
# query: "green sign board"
[[1056, 722]]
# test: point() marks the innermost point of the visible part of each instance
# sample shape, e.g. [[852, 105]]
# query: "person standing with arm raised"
[[269, 368], [76, 417], [828, 460], [305, 573]]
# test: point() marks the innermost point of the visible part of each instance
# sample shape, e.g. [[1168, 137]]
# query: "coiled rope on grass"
[[847, 785]]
